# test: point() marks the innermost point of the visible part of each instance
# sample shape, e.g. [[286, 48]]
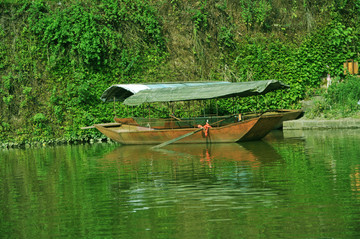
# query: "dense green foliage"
[[56, 58], [342, 99]]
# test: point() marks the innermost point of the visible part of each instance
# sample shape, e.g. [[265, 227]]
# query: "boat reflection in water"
[[252, 154], [182, 173]]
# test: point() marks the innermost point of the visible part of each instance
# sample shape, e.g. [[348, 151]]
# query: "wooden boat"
[[175, 123], [247, 130], [227, 129]]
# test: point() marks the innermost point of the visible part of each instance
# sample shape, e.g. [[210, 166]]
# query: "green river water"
[[293, 184]]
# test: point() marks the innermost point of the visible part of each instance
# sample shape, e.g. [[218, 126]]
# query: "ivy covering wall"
[[57, 57]]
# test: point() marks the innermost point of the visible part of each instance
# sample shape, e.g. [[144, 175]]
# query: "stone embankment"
[[304, 124]]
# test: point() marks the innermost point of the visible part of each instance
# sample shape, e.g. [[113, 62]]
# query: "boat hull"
[[287, 114], [247, 130]]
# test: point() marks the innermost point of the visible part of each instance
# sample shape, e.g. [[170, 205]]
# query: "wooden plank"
[[356, 68], [104, 125], [176, 139]]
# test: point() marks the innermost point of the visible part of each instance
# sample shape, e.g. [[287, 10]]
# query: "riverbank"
[[299, 124], [52, 142], [309, 124]]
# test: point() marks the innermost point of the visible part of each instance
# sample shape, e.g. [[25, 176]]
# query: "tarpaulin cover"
[[122, 91], [204, 91]]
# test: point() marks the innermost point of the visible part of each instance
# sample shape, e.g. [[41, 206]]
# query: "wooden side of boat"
[[252, 129], [290, 114], [287, 114], [177, 123], [262, 128]]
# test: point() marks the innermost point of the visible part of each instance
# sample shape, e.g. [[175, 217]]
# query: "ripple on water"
[[306, 187]]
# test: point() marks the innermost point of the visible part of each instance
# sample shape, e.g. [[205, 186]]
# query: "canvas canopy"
[[120, 92], [204, 91]]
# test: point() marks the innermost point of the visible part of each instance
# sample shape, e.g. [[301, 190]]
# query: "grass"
[[341, 100]]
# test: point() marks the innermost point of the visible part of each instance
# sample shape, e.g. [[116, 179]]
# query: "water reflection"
[[226, 165], [193, 184], [303, 185], [337, 150], [251, 153]]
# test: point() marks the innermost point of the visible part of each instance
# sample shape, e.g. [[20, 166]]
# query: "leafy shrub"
[[59, 57], [344, 96], [200, 18], [226, 37], [39, 118]]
